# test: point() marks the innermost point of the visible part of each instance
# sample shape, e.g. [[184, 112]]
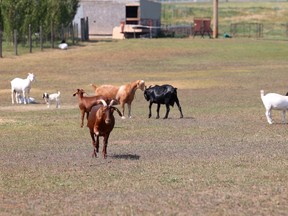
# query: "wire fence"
[[39, 40], [271, 31], [259, 30]]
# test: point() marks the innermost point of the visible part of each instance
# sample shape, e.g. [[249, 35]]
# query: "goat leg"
[[158, 110], [12, 96], [105, 145], [269, 116], [123, 110], [94, 144], [25, 97], [150, 114], [97, 143], [82, 118], [181, 114], [284, 117], [94, 153], [167, 111], [129, 110], [179, 107]]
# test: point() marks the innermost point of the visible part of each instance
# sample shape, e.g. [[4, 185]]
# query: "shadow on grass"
[[126, 156]]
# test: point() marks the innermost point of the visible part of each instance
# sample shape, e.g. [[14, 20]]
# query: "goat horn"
[[111, 102], [103, 102]]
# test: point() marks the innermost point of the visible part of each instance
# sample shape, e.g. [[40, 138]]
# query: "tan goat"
[[124, 93], [86, 103]]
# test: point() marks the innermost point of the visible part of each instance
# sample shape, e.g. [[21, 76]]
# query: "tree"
[[18, 14], [1, 17]]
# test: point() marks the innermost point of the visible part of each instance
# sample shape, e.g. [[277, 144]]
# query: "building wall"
[[103, 16], [150, 10]]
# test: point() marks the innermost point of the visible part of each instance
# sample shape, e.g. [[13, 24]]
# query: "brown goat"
[[101, 122], [124, 94], [86, 103]]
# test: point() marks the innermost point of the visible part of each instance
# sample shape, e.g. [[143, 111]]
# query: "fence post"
[[1, 56], [87, 29], [52, 34], [15, 42], [82, 25], [76, 32], [62, 32], [41, 38], [73, 33], [30, 39]]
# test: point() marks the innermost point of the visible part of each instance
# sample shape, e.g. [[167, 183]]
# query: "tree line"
[[49, 14]]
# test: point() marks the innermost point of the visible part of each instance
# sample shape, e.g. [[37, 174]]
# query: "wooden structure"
[[202, 27]]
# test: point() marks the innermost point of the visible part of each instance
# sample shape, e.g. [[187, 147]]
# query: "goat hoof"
[[123, 117]]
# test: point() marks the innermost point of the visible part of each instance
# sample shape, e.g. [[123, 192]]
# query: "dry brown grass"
[[222, 158]]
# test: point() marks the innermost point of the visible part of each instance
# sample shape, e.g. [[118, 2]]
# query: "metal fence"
[[271, 31], [260, 30]]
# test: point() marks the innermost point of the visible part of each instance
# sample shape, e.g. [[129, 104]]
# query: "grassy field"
[[229, 12], [222, 158], [273, 16]]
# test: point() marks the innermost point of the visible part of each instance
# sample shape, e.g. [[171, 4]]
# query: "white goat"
[[50, 97], [63, 45], [21, 99], [23, 86], [274, 101]]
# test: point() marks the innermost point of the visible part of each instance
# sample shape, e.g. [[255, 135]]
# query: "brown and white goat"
[[101, 122], [86, 103], [124, 93]]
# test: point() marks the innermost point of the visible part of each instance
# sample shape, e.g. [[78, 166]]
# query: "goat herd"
[[99, 109]]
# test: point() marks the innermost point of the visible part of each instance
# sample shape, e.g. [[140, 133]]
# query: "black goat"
[[165, 94]]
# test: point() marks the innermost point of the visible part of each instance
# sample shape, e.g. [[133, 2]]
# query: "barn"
[[118, 18]]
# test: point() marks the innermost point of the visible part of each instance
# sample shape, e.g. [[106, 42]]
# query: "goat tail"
[[93, 86], [262, 93]]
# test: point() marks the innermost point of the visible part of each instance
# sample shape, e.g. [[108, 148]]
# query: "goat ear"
[[76, 92], [118, 111], [115, 102], [141, 85]]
